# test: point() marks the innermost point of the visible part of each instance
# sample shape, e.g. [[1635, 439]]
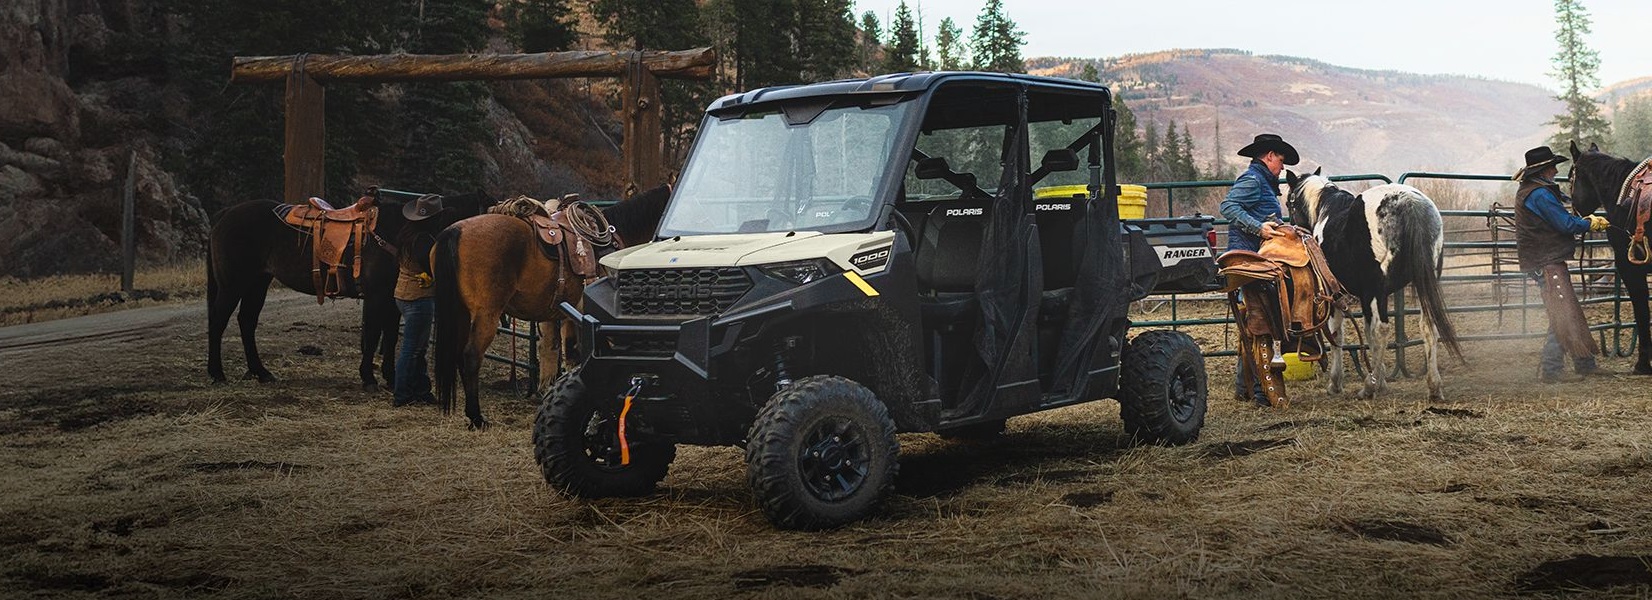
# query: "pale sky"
[[1511, 40]]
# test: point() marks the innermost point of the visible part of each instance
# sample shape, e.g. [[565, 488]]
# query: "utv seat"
[[947, 259]]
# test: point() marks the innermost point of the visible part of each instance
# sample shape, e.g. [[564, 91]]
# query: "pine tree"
[[996, 43], [1576, 68], [1089, 73], [1187, 168], [901, 56], [661, 25], [1128, 147], [826, 43], [949, 46], [539, 25], [871, 43], [1166, 165], [441, 123], [1632, 127]]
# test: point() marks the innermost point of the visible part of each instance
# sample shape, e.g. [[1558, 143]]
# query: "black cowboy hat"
[[1537, 159], [1267, 141], [425, 207]]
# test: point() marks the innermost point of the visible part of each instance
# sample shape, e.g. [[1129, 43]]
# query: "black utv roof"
[[894, 84]]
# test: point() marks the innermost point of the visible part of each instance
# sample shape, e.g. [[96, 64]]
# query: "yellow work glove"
[[1598, 223], [423, 279]]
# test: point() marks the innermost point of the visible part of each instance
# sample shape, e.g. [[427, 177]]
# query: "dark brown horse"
[[251, 246], [491, 265], [1597, 179]]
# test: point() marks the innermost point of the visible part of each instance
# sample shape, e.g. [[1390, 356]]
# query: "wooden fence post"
[[644, 137], [128, 224], [306, 131]]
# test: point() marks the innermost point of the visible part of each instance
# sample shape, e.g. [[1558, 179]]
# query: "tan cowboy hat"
[[1537, 159], [425, 207], [1267, 141]]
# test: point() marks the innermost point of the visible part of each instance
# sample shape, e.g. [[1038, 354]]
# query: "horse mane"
[[1607, 171], [1328, 198], [638, 217]]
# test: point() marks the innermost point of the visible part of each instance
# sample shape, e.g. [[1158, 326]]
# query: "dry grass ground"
[[124, 474], [63, 296]]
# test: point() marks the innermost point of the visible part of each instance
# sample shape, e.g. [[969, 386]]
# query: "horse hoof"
[[370, 386], [479, 425], [1643, 369], [262, 377]]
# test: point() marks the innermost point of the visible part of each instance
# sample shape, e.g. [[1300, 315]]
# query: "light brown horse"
[[492, 265]]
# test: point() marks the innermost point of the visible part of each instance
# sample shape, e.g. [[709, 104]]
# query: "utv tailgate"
[[1178, 251]]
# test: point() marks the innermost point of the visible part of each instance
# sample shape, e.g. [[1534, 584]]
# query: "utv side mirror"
[[933, 167], [1059, 160]]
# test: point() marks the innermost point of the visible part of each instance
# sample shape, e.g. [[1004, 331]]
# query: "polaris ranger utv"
[[845, 261]]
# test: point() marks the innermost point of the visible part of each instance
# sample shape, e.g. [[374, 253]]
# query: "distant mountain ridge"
[[1347, 120]]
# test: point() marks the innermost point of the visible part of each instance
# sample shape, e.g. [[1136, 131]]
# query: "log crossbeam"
[[400, 68]]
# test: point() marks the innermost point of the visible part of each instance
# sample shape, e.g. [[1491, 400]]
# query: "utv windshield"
[[813, 167]]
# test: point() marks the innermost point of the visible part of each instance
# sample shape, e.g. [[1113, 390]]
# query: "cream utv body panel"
[[864, 253]]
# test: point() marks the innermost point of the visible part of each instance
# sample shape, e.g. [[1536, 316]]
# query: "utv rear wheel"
[[974, 432], [1162, 388], [821, 454], [578, 447]]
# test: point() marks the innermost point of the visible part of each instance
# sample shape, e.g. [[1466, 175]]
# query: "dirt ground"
[[125, 474]]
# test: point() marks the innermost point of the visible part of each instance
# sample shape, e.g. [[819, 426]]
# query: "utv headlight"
[[801, 271]]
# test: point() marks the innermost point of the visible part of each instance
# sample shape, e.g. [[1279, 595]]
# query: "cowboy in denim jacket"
[[1251, 206], [1254, 200]]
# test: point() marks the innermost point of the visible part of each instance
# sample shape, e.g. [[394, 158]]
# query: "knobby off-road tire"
[[1162, 388], [577, 448], [974, 432], [821, 454]]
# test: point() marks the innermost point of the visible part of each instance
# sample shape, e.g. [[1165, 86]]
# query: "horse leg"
[[1431, 357], [390, 322], [1377, 348], [370, 321], [1635, 285], [1335, 355], [252, 303], [549, 345], [483, 327], [221, 305]]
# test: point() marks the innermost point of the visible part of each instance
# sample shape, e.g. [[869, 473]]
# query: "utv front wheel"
[[1162, 388], [578, 447], [821, 454]]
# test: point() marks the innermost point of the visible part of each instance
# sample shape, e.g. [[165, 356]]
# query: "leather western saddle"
[[1636, 197], [571, 232], [1289, 293], [336, 236]]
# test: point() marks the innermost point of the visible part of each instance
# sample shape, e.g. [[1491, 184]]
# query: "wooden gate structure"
[[306, 74]]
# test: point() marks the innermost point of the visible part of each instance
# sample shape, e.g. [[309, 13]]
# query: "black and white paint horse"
[[1378, 242], [1597, 182]]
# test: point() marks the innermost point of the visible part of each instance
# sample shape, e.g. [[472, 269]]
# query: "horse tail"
[[452, 316], [1424, 252]]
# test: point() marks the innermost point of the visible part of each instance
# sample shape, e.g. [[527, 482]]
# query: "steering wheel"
[[858, 203], [906, 227]]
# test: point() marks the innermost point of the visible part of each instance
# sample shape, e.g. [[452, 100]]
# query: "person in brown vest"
[[1545, 238], [416, 300]]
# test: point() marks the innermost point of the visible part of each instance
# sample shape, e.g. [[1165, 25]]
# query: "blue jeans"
[[412, 371]]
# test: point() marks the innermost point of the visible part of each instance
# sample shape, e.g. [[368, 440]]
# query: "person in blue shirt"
[[1545, 238], [1253, 203], [1251, 207]]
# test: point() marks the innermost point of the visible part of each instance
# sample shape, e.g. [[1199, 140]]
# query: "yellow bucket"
[[1297, 369], [1132, 201], [1132, 198]]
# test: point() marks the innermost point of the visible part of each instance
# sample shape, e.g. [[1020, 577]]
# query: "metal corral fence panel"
[[1481, 275]]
